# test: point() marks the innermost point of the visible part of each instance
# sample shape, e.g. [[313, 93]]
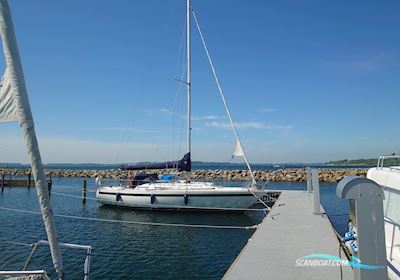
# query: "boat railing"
[[42, 273], [383, 158], [394, 224], [33, 274]]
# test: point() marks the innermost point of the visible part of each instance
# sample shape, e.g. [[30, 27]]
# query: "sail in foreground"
[[14, 107], [185, 164]]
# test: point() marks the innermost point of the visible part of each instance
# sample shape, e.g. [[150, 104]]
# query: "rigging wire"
[[169, 18], [178, 89], [177, 141], [177, 115], [180, 52], [127, 135], [222, 96], [133, 222], [133, 119]]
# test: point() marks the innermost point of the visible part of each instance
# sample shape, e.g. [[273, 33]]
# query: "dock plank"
[[289, 232]]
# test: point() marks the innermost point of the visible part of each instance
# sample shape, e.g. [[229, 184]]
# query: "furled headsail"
[[14, 107], [8, 107], [238, 152], [185, 164]]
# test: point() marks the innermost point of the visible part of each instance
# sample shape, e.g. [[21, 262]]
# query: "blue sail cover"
[[185, 164]]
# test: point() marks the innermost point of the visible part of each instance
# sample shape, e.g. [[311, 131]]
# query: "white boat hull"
[[179, 196], [389, 179]]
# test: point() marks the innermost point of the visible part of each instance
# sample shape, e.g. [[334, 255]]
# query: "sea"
[[131, 251]]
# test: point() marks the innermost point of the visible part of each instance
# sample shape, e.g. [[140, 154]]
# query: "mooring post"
[[29, 180], [366, 200], [84, 191], [49, 184], [309, 182], [49, 187], [315, 186], [2, 182]]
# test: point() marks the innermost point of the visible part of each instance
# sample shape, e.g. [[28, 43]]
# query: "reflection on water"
[[128, 251]]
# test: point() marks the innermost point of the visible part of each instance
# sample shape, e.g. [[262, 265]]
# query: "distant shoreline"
[[327, 175], [345, 165], [343, 162], [197, 165]]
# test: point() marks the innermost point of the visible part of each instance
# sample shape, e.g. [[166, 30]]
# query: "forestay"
[[238, 148]]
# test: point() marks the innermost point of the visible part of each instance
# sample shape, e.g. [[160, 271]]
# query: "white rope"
[[260, 200], [74, 196], [131, 222], [181, 207]]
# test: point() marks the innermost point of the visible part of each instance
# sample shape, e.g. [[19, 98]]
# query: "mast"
[[188, 81], [14, 78]]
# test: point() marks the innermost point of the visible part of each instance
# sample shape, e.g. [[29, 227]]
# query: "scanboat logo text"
[[329, 260]]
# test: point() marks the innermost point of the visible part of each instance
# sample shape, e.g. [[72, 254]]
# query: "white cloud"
[[291, 149], [158, 112], [247, 125], [168, 112], [207, 118], [71, 150], [223, 125], [268, 110], [130, 129], [364, 63], [255, 125]]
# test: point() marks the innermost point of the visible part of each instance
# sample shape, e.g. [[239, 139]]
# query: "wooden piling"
[[29, 181], [49, 183], [84, 185], [2, 182]]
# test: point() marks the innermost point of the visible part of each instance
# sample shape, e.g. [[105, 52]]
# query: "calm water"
[[122, 251]]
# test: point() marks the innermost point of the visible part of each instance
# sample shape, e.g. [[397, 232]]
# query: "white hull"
[[389, 178], [179, 195], [392, 255]]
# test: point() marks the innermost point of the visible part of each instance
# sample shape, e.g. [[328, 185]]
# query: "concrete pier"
[[290, 231]]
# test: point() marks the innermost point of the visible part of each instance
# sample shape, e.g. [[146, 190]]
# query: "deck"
[[290, 231]]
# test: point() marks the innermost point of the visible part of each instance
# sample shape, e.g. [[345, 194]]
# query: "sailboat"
[[149, 192], [388, 176]]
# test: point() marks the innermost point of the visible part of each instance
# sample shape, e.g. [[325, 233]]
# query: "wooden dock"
[[9, 181], [18, 183], [289, 232]]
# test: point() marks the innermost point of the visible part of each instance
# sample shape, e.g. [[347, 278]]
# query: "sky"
[[306, 81]]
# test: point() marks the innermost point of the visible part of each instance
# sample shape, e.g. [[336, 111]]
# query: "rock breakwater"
[[327, 175]]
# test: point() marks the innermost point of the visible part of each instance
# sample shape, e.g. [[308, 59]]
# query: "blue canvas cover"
[[185, 164]]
